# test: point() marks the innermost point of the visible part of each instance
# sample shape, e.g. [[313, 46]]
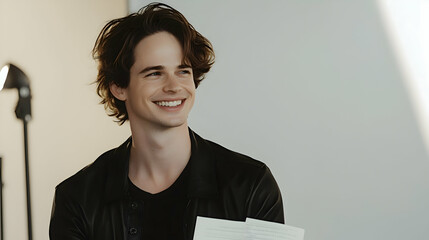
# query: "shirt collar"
[[202, 177]]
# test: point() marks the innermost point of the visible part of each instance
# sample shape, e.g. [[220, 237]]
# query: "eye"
[[185, 71], [153, 74]]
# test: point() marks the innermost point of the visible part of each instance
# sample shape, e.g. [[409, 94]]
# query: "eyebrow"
[[151, 68], [184, 66], [160, 67]]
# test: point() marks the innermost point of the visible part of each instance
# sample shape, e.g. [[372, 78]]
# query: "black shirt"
[[163, 212]]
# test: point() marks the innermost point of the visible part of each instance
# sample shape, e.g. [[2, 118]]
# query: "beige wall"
[[51, 41]]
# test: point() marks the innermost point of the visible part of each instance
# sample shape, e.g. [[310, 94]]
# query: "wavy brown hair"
[[114, 50]]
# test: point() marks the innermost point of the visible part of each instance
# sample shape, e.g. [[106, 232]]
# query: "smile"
[[169, 103]]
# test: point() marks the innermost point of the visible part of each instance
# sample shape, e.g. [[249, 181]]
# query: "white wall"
[[312, 88], [309, 87]]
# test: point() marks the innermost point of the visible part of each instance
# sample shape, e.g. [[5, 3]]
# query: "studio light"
[[12, 77]]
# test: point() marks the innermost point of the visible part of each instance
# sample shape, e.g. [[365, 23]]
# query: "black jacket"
[[94, 204]]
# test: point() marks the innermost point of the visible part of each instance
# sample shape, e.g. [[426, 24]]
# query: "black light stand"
[[1, 200], [12, 77]]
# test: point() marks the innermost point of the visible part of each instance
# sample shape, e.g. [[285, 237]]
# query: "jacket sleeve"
[[265, 200], [67, 219]]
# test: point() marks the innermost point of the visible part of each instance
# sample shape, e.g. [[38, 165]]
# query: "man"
[[155, 184]]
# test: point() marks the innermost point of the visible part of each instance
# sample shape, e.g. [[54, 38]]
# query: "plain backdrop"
[[311, 88]]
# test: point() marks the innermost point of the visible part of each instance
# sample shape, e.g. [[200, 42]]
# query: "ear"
[[118, 92]]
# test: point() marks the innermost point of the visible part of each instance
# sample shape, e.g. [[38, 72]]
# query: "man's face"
[[161, 92]]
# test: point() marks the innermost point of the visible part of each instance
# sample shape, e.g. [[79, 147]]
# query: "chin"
[[174, 124]]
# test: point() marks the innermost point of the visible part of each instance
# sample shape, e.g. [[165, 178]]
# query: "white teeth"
[[170, 103]]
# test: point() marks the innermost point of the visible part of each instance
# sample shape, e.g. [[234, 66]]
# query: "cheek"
[[190, 84], [191, 90], [192, 93], [145, 90], [190, 101]]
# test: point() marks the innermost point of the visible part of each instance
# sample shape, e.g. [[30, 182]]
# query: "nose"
[[171, 85]]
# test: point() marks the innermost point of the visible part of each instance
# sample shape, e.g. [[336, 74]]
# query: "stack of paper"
[[251, 229]]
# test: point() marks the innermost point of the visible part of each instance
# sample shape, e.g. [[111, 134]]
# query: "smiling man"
[[155, 184]]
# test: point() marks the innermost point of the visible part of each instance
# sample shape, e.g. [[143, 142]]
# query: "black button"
[[132, 231], [134, 205]]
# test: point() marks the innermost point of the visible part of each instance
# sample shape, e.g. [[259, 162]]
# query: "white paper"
[[252, 229], [263, 230], [211, 228]]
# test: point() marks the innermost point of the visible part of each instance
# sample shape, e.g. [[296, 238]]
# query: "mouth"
[[173, 103]]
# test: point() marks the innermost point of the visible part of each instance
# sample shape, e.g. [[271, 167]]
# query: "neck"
[[158, 156]]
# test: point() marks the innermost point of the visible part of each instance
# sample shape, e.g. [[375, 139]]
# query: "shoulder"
[[250, 181], [234, 169], [227, 161], [229, 158], [88, 179], [108, 167]]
